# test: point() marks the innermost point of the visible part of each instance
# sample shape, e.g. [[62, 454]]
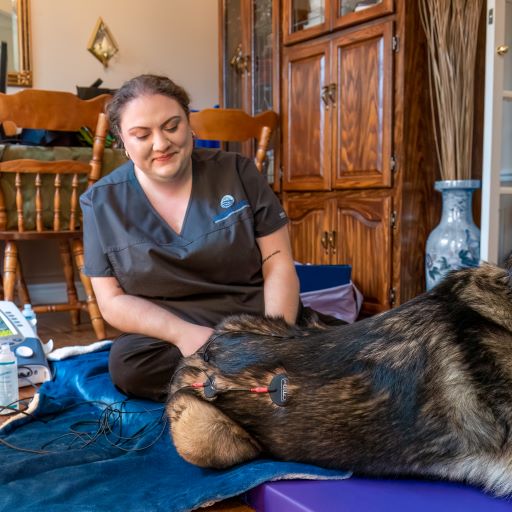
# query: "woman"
[[177, 238]]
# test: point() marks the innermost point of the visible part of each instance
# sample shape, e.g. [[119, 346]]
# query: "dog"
[[424, 389]]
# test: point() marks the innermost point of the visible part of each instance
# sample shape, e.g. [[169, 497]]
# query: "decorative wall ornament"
[[20, 69], [102, 43]]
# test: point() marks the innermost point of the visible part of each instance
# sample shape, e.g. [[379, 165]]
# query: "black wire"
[[9, 407], [20, 449], [109, 427], [201, 370]]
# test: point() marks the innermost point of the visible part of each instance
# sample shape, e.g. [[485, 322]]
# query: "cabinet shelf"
[[507, 95]]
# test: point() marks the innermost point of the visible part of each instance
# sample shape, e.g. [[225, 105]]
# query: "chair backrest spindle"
[[56, 202], [3, 209], [39, 203], [73, 205], [98, 149], [261, 152], [19, 202]]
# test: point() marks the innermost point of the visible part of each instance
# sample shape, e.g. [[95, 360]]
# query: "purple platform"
[[372, 495]]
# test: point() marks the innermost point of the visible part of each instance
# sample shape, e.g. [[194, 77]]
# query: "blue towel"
[[98, 456]]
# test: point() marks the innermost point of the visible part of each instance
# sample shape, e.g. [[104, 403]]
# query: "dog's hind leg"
[[205, 436], [491, 472]]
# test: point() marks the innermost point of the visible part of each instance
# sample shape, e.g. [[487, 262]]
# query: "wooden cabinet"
[[337, 111], [349, 79], [349, 228], [358, 156], [305, 19]]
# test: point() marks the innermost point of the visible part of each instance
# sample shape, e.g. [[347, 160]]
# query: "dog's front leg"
[[205, 436]]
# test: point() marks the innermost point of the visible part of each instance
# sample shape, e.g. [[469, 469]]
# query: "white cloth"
[[76, 350]]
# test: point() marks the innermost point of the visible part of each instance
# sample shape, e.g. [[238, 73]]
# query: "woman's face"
[[157, 136]]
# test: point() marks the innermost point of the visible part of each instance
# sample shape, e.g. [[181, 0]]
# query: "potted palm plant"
[[451, 28]]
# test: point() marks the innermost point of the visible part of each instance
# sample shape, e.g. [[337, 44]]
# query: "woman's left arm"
[[281, 284]]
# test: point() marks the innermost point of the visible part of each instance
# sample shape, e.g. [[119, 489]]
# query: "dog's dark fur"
[[424, 389]]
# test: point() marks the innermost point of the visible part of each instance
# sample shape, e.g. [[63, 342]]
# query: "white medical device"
[[33, 367]]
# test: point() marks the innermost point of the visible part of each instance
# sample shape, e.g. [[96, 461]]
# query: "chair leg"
[[94, 311], [21, 286], [10, 265], [67, 263]]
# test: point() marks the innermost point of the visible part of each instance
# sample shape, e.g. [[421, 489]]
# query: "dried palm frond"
[[451, 27]]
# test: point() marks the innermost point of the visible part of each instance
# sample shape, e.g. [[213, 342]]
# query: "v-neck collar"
[[162, 221]]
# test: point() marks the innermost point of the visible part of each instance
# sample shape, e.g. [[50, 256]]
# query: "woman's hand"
[[134, 314], [193, 338]]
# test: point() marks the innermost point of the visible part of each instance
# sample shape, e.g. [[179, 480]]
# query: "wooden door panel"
[[363, 229], [306, 118], [363, 116], [309, 220]]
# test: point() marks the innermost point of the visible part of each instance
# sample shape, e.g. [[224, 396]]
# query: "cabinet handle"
[[502, 49], [325, 241], [325, 96], [332, 241], [332, 93], [238, 61], [247, 64]]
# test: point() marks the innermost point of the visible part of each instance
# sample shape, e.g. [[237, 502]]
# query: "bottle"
[[8, 380], [30, 316]]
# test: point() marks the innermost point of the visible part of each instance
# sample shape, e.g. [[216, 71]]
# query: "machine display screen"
[[5, 329]]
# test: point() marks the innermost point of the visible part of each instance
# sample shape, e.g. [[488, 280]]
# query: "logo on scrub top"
[[227, 201]]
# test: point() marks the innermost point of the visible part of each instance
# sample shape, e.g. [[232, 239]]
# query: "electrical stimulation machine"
[[33, 368]]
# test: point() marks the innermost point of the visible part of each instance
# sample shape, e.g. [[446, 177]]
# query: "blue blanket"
[[89, 448]]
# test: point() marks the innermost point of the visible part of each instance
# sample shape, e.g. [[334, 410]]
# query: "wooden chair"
[[234, 125], [46, 193]]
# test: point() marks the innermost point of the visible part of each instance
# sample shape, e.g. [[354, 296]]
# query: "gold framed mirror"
[[15, 31]]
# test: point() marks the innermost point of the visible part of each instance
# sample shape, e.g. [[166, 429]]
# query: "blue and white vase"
[[455, 242]]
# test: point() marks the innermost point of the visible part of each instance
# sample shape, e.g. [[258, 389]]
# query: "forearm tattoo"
[[270, 256]]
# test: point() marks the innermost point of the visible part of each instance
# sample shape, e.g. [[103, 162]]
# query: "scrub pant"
[[142, 367]]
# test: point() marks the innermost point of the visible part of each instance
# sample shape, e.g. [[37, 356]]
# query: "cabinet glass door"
[[233, 55], [304, 19], [261, 65], [348, 12], [307, 14], [262, 71], [348, 6]]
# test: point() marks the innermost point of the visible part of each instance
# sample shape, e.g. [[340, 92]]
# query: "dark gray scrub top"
[[213, 267]]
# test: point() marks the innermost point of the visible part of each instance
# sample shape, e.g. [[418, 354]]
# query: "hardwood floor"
[[58, 326]]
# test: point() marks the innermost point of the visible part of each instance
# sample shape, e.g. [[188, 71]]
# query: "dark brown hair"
[[143, 85]]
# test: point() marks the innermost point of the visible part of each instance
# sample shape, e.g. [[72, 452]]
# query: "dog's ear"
[[205, 436]]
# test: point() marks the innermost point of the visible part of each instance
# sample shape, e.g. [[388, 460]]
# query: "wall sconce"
[[102, 44]]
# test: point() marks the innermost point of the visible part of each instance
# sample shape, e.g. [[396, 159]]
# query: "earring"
[[126, 154], [194, 136]]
